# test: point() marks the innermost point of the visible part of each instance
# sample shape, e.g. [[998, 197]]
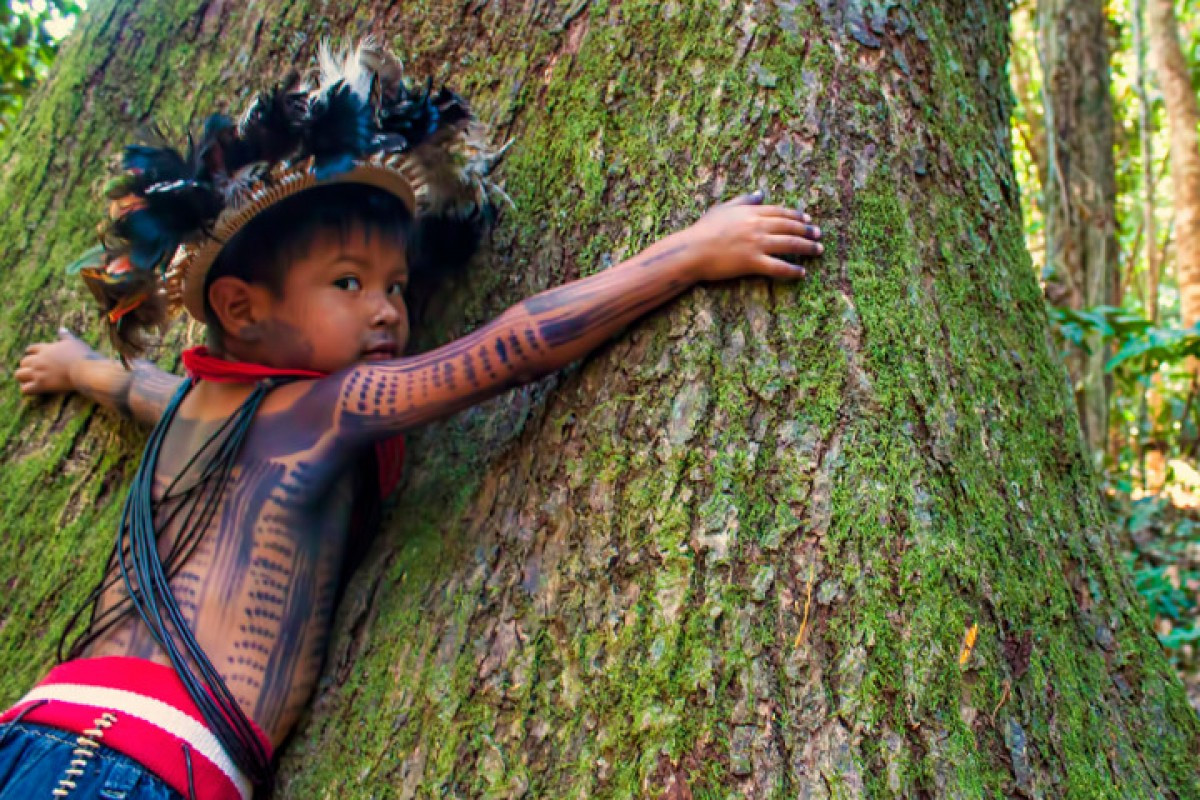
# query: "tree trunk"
[[1183, 116], [833, 539], [1080, 187], [1149, 179]]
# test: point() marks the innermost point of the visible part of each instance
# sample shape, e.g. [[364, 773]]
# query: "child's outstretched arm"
[[558, 326], [69, 365]]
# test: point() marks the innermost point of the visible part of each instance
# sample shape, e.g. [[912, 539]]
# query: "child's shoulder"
[[307, 405], [305, 409], [304, 403]]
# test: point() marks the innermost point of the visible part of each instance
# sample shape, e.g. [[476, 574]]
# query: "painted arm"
[[68, 365], [556, 327]]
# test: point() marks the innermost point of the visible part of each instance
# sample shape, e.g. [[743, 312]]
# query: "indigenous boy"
[[208, 632]]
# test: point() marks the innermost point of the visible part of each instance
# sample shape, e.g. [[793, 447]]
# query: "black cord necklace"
[[147, 576]]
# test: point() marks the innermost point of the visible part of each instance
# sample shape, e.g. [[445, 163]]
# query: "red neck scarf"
[[201, 365]]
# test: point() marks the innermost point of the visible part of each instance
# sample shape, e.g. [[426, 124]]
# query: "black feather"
[[154, 164], [151, 242], [273, 122], [407, 114], [337, 129], [184, 208], [452, 109], [414, 116], [221, 150]]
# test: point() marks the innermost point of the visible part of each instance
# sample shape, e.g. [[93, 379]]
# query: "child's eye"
[[396, 289], [349, 283]]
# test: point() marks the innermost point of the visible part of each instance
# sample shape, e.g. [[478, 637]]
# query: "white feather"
[[345, 66]]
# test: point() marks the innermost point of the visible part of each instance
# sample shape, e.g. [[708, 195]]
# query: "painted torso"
[[260, 588]]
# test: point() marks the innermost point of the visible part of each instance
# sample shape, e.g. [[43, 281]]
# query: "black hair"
[[263, 251], [438, 246]]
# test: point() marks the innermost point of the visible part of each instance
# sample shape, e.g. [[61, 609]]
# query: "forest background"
[[1134, 340], [1105, 139]]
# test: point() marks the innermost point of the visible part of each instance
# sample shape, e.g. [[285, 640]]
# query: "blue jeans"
[[34, 759]]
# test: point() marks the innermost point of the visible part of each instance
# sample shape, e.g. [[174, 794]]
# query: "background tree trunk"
[[817, 540], [1149, 180], [1183, 116], [1079, 187]]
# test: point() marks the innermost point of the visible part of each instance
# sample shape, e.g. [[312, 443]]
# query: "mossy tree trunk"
[[1080, 188], [739, 551]]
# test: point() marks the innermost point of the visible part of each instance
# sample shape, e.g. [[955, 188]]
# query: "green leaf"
[[93, 257], [1179, 637]]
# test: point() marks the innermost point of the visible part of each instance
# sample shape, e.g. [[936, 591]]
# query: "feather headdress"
[[170, 213]]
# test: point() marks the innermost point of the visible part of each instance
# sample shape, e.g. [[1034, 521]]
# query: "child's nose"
[[384, 313]]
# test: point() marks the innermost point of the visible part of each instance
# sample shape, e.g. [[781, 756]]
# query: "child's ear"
[[239, 307]]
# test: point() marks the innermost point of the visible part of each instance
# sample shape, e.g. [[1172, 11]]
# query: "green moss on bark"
[[741, 546]]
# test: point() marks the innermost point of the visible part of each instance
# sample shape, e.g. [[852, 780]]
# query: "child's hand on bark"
[[744, 237], [46, 367]]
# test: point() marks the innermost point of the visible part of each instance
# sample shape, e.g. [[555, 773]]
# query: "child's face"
[[342, 303]]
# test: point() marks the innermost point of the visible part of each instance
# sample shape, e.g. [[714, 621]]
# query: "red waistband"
[[141, 709]]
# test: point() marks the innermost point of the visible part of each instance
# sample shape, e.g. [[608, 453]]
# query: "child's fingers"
[[34, 349], [790, 227], [753, 199], [785, 212], [793, 245], [778, 268]]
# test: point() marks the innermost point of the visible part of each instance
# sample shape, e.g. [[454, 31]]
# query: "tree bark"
[[1183, 116], [833, 539], [1149, 179], [1080, 187]]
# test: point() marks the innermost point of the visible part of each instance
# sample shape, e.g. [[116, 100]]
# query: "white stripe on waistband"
[[156, 712]]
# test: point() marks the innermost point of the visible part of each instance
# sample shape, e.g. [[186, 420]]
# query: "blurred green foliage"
[[1163, 553], [1155, 412], [1151, 474], [30, 33]]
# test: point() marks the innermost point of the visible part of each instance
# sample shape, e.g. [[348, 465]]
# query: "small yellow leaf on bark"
[[968, 645]]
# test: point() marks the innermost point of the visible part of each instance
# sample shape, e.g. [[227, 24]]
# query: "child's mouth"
[[382, 352]]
